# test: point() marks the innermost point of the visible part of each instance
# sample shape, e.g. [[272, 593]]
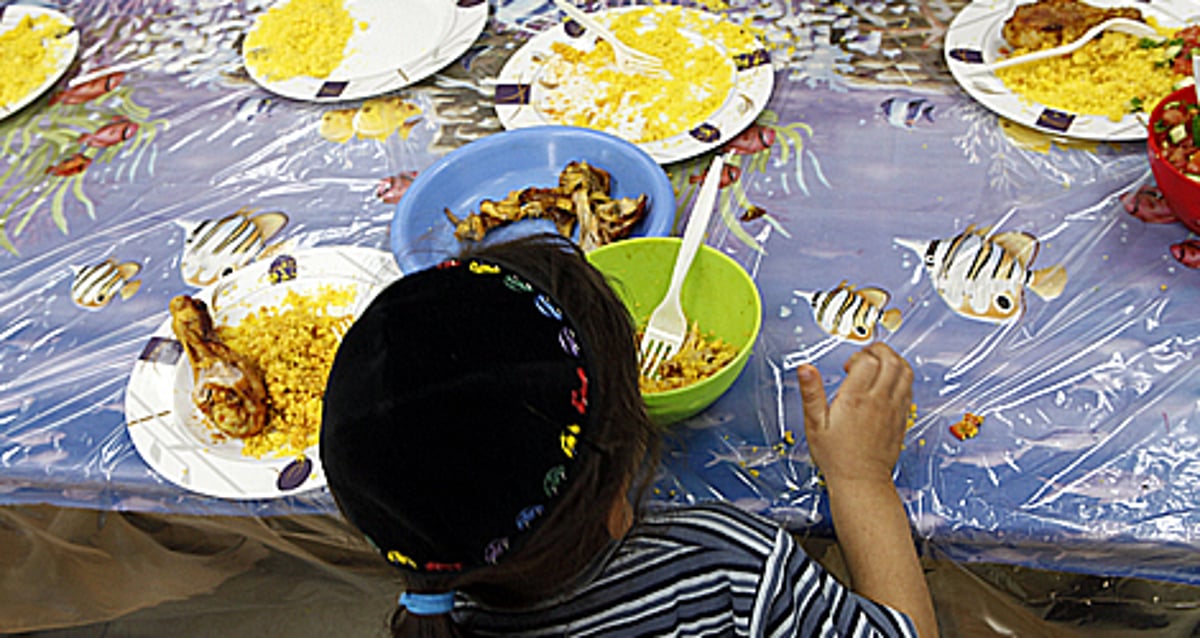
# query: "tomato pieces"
[[1177, 132]]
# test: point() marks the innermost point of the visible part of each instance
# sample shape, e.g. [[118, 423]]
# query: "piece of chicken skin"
[[229, 389], [1049, 23]]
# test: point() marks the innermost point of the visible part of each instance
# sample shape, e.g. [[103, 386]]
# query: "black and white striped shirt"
[[708, 570]]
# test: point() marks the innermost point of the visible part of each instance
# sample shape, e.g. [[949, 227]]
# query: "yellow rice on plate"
[[1108, 76], [293, 344], [30, 53], [299, 38], [585, 88], [699, 357]]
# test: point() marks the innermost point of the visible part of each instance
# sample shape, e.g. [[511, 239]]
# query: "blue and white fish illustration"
[[904, 114], [851, 313], [214, 248], [96, 285], [984, 277], [706, 420], [252, 108]]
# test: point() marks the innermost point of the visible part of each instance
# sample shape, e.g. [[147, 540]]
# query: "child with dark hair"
[[483, 428]]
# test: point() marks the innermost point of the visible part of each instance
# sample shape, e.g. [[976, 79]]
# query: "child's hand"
[[855, 440], [858, 435]]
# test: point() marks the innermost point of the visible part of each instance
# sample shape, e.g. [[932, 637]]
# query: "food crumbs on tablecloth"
[[300, 38], [30, 52], [967, 428], [585, 88]]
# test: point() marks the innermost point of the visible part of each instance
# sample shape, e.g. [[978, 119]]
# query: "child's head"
[[482, 417]]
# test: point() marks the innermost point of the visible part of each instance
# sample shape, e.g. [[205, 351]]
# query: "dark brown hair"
[[627, 444]]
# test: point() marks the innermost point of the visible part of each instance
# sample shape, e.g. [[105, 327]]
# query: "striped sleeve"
[[799, 598], [707, 570]]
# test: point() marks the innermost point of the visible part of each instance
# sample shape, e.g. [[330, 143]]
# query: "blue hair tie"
[[427, 604]]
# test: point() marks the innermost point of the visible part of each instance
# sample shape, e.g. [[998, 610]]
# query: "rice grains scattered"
[[293, 344]]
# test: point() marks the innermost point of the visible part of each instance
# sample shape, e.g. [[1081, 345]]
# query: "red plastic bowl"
[[1182, 194]]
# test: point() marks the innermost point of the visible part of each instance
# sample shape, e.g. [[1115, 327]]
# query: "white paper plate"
[[404, 42], [164, 423], [974, 38], [10, 16], [517, 91]]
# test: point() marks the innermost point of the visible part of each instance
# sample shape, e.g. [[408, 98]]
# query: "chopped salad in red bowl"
[[1173, 144], [1178, 129]]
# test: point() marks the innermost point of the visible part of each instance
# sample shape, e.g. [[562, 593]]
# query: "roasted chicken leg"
[[229, 389]]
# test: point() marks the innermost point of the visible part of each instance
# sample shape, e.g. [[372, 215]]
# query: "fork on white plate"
[[629, 59], [668, 326], [1122, 25]]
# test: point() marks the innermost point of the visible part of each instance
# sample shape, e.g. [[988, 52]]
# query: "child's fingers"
[[862, 368], [894, 373], [812, 398]]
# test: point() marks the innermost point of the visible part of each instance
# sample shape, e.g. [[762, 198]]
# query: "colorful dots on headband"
[[560, 405], [568, 439], [396, 558], [483, 269], [526, 516], [555, 477], [547, 307], [579, 397], [516, 284], [566, 339], [494, 550]]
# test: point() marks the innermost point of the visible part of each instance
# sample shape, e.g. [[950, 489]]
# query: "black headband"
[[454, 415]]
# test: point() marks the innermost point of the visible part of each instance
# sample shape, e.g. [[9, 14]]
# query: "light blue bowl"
[[421, 236]]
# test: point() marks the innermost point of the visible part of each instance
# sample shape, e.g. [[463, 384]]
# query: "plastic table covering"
[[1086, 455]]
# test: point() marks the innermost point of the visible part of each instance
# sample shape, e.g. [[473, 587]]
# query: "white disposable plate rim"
[[978, 25], [12, 14], [168, 444], [461, 24]]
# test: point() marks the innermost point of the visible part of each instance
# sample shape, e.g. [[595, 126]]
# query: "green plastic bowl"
[[717, 294]]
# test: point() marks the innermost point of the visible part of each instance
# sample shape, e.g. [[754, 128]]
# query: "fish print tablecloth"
[[1056, 425]]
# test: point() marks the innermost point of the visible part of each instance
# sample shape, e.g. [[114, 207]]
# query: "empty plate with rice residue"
[[720, 78]]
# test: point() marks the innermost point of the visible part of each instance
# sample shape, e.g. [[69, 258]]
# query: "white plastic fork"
[[668, 326], [1123, 25], [629, 59]]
